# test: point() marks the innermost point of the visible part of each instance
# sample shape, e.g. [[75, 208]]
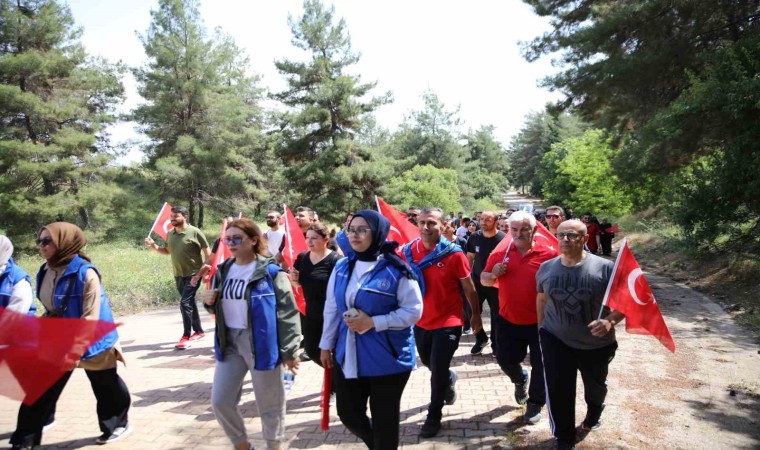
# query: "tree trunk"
[[85, 216], [200, 215]]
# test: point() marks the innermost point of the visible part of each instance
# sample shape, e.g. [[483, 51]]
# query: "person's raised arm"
[[151, 244]]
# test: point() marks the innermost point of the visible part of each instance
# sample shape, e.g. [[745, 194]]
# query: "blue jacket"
[[273, 317], [8, 279], [345, 245], [72, 283], [377, 352]]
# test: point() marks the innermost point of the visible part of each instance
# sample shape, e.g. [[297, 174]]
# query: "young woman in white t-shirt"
[[258, 331]]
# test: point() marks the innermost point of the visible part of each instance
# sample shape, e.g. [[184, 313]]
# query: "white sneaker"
[[118, 434]]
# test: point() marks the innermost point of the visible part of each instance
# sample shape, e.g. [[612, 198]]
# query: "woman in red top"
[[594, 233]]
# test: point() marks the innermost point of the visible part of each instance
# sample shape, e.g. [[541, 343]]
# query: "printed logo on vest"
[[262, 286], [384, 284]]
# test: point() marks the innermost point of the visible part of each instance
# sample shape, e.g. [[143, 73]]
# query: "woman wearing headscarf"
[[15, 284], [69, 286], [257, 331], [373, 299]]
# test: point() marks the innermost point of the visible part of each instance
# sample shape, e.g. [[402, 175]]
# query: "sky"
[[467, 53]]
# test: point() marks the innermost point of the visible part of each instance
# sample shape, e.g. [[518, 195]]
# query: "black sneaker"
[[22, 447], [118, 434], [451, 393], [478, 348], [565, 446], [521, 391], [430, 428], [532, 413]]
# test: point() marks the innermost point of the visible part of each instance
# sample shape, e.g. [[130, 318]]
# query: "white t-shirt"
[[274, 239], [462, 232], [234, 303]]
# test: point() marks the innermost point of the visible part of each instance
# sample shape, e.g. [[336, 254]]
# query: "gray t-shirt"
[[574, 297]]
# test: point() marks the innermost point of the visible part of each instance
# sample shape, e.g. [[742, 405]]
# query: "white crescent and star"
[[166, 225], [632, 277]]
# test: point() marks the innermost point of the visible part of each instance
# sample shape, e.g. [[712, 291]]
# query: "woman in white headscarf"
[[15, 285]]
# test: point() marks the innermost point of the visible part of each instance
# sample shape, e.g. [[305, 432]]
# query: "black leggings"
[[112, 397], [384, 396]]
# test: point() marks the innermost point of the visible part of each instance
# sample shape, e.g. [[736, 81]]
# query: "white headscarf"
[[6, 250]]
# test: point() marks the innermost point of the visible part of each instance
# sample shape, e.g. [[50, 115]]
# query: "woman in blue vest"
[[257, 330], [373, 299], [69, 286], [15, 285]]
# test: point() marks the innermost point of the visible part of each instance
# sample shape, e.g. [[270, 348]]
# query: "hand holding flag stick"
[[629, 293]]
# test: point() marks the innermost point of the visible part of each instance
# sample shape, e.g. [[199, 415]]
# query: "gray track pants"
[[228, 385]]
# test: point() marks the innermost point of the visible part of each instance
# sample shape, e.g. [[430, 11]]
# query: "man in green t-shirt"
[[188, 248]]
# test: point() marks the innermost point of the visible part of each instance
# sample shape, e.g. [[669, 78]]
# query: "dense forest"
[[660, 112]]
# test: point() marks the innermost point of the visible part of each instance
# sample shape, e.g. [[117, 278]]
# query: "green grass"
[[135, 278]]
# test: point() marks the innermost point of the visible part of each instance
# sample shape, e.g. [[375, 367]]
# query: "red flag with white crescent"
[[629, 293], [402, 231], [36, 352], [163, 222], [222, 253], [295, 243]]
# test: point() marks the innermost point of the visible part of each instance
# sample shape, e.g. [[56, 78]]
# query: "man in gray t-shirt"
[[570, 293]]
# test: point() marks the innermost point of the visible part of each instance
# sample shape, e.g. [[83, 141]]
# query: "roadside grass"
[[135, 278], [729, 276]]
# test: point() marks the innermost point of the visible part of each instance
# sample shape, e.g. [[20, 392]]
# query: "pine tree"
[[55, 103], [202, 115], [328, 167]]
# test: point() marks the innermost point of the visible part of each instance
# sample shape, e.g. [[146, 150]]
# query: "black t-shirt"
[[313, 279], [482, 247]]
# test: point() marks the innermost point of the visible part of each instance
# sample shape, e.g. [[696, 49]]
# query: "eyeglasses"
[[552, 216], [236, 240], [359, 231], [569, 236], [44, 242]]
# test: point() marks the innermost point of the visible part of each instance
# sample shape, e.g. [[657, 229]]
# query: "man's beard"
[[271, 223]]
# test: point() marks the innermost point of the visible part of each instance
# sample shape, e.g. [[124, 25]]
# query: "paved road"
[[656, 400]]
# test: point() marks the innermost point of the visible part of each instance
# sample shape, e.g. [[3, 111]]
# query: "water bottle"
[[288, 379]]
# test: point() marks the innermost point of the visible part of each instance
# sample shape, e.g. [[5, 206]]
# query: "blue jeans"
[[187, 306]]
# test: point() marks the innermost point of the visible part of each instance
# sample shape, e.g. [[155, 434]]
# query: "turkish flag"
[[325, 399], [295, 243], [163, 222], [36, 352], [613, 229], [402, 231], [222, 253], [629, 293]]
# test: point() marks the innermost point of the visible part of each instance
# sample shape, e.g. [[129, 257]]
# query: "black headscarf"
[[379, 229]]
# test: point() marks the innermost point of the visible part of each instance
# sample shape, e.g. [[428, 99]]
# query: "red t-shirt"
[[442, 305], [593, 231], [517, 287]]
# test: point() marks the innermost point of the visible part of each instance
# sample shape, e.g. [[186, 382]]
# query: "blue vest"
[[345, 245], [8, 279], [76, 273], [262, 307], [377, 352]]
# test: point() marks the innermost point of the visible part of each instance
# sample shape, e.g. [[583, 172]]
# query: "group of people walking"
[[369, 314]]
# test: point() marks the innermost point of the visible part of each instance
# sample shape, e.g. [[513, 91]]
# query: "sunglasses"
[[552, 216], [44, 241], [271, 217], [236, 240]]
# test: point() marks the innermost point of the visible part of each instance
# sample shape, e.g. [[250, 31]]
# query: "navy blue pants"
[[513, 345], [490, 295], [191, 319], [436, 349], [561, 365]]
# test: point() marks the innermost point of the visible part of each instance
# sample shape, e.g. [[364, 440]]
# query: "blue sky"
[[465, 52]]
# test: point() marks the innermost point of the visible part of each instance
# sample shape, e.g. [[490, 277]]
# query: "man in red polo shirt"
[[515, 267], [441, 268]]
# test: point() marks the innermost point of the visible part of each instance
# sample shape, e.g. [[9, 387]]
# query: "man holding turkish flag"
[[629, 293]]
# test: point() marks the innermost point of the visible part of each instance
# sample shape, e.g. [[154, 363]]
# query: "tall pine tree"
[[202, 115], [328, 167], [54, 105]]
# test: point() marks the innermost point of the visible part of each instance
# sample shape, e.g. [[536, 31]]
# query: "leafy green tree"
[[527, 149], [203, 115], [579, 173], [676, 84], [425, 186], [328, 167], [55, 103]]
